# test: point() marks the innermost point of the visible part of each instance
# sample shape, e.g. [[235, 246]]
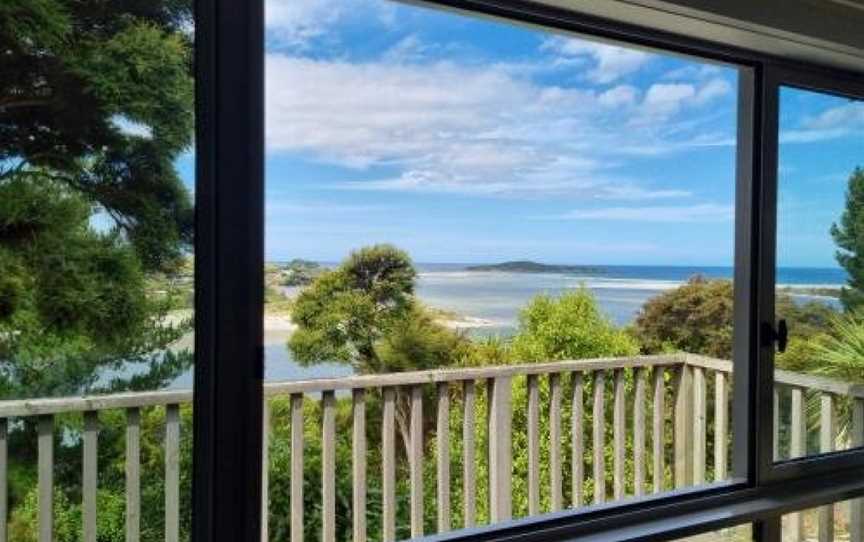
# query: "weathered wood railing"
[[796, 390], [658, 385]]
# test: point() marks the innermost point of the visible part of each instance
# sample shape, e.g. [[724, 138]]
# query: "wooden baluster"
[[469, 478], [46, 478], [533, 445], [358, 451], [856, 506], [639, 400], [555, 469], [388, 464], [500, 457], [619, 428], [658, 433], [89, 482], [683, 426], [328, 467], [172, 473], [721, 426], [265, 470], [297, 467], [4, 483], [415, 462], [133, 474], [797, 448], [577, 415], [700, 433], [443, 454], [598, 442], [826, 444]]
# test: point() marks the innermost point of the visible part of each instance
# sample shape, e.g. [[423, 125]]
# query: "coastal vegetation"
[[91, 203], [848, 235], [299, 272], [97, 274]]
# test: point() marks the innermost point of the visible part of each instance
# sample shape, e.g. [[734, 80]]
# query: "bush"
[[568, 327], [697, 317]]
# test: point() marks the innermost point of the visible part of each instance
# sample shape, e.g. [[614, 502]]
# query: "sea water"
[[495, 298]]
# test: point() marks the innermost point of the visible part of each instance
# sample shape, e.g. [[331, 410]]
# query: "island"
[[527, 266]]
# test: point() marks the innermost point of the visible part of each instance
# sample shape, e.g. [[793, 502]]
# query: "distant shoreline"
[[527, 266]]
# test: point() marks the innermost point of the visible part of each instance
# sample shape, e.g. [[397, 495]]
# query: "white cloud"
[[697, 72], [610, 61], [468, 128], [666, 98], [296, 22], [705, 212], [713, 89], [843, 117], [663, 100], [622, 95], [833, 123]]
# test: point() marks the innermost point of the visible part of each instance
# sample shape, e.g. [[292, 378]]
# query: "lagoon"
[[494, 298]]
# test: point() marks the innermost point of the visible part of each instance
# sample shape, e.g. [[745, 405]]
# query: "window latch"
[[779, 335]]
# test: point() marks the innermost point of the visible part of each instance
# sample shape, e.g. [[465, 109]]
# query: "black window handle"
[[779, 335]]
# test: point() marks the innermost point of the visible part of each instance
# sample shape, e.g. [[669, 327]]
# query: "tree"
[[96, 104], [849, 238], [568, 327], [345, 313], [71, 299], [364, 314], [76, 76], [697, 317]]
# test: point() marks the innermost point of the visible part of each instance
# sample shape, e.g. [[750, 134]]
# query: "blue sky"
[[470, 140]]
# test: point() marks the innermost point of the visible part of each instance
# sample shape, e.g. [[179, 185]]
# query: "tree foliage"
[[96, 105], [697, 317], [364, 314], [71, 298], [99, 96], [848, 235], [567, 327]]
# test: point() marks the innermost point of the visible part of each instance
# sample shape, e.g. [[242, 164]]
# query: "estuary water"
[[492, 300]]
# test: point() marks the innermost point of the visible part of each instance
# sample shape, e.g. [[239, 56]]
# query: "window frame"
[[229, 276], [840, 85], [230, 252]]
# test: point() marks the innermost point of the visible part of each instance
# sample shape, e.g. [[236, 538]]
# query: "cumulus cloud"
[[663, 100], [610, 62], [832, 123], [448, 126], [622, 95], [295, 23], [849, 116]]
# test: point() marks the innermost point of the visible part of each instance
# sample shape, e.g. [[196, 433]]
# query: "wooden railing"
[[659, 385]]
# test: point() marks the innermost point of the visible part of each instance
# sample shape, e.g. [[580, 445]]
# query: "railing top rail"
[[786, 378], [43, 407]]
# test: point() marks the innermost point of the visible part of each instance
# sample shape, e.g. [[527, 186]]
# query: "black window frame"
[[229, 295], [813, 80]]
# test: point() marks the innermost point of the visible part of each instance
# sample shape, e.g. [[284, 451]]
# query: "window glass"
[[838, 521], [741, 533], [96, 281], [819, 274], [504, 208]]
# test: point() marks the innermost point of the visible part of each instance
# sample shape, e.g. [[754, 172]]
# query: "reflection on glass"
[[838, 521], [741, 533], [447, 193], [96, 287], [819, 274]]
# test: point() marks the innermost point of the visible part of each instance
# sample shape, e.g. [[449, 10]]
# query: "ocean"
[[493, 299]]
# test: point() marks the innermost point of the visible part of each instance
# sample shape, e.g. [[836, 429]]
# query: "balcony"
[[633, 426]]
